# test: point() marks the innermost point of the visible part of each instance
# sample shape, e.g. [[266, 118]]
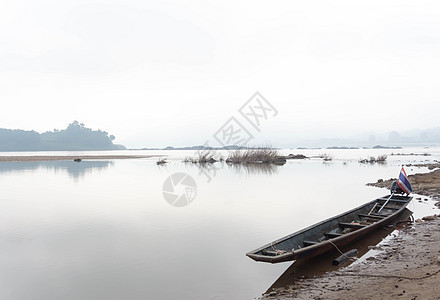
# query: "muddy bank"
[[69, 157], [406, 267], [423, 184]]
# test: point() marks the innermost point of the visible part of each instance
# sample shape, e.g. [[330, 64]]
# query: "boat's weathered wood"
[[273, 252], [392, 200], [352, 225], [344, 257], [388, 207], [371, 216], [373, 208], [332, 234], [309, 243], [381, 215], [328, 233]]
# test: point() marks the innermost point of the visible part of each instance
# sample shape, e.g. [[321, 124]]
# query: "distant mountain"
[[75, 137], [388, 140], [431, 135], [198, 147], [386, 147]]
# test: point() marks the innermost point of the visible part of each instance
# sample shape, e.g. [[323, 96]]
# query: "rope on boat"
[[277, 251], [348, 257]]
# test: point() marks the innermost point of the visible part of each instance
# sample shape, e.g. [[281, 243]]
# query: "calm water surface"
[[103, 230]]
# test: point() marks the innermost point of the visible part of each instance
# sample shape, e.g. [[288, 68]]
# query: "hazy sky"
[[158, 73]]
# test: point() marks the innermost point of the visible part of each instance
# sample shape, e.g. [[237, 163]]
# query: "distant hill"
[[75, 137], [198, 147]]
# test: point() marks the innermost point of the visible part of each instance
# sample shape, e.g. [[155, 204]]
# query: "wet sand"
[[408, 267], [70, 157], [405, 267]]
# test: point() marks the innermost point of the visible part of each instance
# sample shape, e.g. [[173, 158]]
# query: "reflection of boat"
[[338, 231]]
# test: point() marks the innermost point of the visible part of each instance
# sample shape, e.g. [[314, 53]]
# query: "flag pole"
[[406, 188], [386, 202]]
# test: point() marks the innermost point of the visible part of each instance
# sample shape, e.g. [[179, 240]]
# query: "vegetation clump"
[[326, 157], [264, 155], [380, 159], [203, 157], [161, 162], [296, 156], [411, 154]]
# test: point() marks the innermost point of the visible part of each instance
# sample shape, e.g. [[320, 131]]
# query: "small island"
[[76, 137]]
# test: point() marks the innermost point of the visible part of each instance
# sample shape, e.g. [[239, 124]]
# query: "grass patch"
[[380, 159], [203, 157], [256, 155]]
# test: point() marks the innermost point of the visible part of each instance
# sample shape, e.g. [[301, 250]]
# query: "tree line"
[[75, 137]]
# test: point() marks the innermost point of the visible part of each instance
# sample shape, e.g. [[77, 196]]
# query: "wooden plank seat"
[[331, 235], [309, 243], [388, 207], [393, 200], [352, 225], [381, 214], [371, 216]]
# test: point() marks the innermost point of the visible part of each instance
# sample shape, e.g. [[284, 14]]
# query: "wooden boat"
[[338, 231]]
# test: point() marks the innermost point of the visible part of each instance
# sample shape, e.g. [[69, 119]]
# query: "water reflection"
[[113, 236], [254, 169], [315, 266], [75, 170], [249, 168]]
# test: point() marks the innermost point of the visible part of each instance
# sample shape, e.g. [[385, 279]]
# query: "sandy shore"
[[70, 157], [408, 267], [405, 267]]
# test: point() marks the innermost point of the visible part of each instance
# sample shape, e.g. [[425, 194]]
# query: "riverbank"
[[427, 184], [406, 266], [69, 157]]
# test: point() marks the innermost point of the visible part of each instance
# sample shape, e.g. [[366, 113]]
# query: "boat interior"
[[353, 220]]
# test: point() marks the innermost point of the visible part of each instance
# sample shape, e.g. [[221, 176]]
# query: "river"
[[111, 229]]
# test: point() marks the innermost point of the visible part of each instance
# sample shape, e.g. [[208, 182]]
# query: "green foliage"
[[75, 137]]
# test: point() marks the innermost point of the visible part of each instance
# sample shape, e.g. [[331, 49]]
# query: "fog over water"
[[103, 229], [82, 75]]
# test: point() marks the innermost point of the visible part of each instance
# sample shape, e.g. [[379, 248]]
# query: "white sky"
[[158, 73]]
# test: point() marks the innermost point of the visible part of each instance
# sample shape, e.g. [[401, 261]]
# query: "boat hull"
[[324, 236]]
